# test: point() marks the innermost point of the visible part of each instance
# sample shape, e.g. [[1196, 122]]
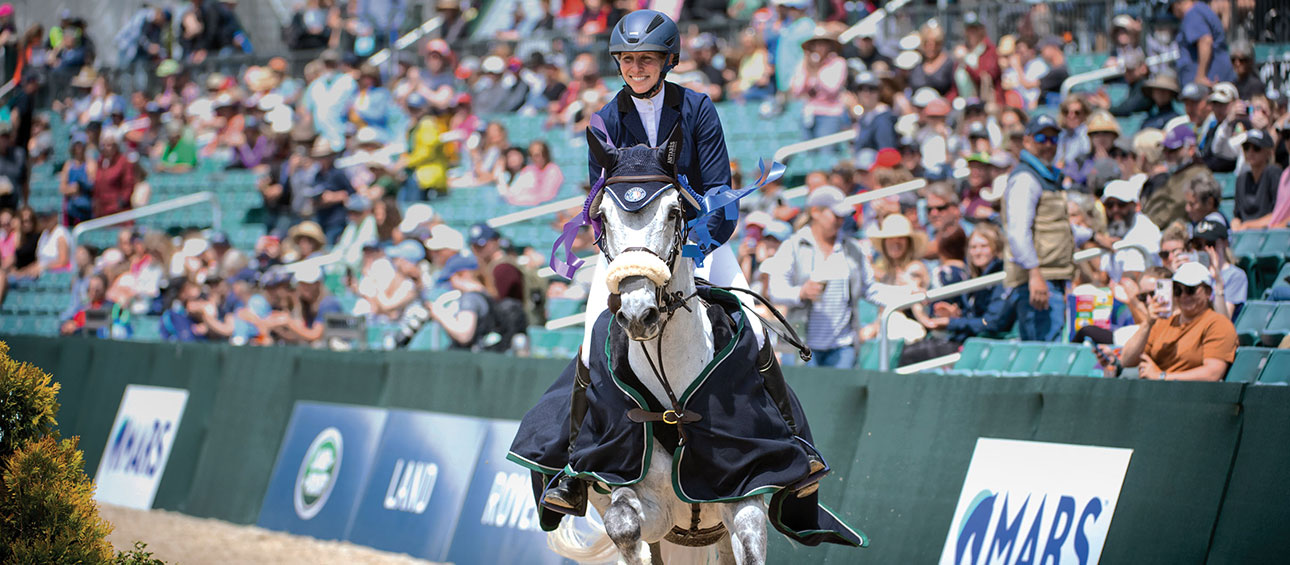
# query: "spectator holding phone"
[[1188, 343]]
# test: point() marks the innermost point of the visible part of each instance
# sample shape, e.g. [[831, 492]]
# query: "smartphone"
[[1165, 294]]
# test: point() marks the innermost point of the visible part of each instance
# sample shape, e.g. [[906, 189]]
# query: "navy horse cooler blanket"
[[740, 448]]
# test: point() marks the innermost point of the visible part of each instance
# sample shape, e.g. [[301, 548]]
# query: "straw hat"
[[308, 229], [322, 148], [823, 34], [1103, 122], [1163, 81], [85, 78], [894, 225]]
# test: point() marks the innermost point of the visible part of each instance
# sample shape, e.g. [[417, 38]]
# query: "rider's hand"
[[811, 290]]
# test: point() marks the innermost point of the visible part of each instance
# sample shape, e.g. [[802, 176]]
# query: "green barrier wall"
[[1205, 482]]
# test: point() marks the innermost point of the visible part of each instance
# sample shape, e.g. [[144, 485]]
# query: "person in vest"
[[1039, 261], [646, 45]]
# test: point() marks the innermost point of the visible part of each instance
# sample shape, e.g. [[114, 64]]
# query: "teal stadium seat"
[[1059, 360], [1247, 245], [1249, 363], [1254, 317], [870, 354], [1085, 364], [1277, 368], [1026, 361], [972, 356], [1278, 325], [999, 359]]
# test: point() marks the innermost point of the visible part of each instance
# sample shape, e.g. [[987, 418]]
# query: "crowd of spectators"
[[350, 157]]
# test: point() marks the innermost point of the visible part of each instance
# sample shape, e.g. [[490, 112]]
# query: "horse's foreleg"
[[746, 522], [623, 523]]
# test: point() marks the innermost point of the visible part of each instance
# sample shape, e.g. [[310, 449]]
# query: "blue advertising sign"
[[321, 469], [418, 483], [499, 521]]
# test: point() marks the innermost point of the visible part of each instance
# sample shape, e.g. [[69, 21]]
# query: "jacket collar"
[[672, 98]]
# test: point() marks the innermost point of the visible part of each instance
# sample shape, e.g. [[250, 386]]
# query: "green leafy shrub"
[[47, 510], [47, 513], [137, 556], [28, 403]]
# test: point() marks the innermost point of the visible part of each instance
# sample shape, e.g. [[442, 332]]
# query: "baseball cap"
[[937, 107], [1041, 123], [1257, 138], [308, 274], [867, 78], [978, 130], [1193, 274], [407, 250], [1124, 190], [1194, 92], [443, 237], [1209, 231], [274, 277], [758, 218], [1179, 136], [456, 265], [830, 197], [482, 233], [1223, 93], [358, 203], [778, 229], [416, 215]]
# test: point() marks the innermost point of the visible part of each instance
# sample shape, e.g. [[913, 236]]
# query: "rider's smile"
[[641, 70]]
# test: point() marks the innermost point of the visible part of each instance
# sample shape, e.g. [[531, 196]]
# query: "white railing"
[[1112, 72], [319, 261], [407, 40], [959, 289], [815, 143], [567, 321], [152, 210], [933, 363], [870, 22]]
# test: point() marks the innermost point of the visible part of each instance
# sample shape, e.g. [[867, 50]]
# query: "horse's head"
[[644, 228]]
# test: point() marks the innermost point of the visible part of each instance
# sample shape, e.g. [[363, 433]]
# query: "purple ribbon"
[[569, 265]]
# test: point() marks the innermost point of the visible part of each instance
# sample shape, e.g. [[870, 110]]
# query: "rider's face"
[[641, 70]]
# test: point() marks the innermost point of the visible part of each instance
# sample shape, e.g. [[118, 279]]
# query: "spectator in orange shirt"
[[1195, 343]]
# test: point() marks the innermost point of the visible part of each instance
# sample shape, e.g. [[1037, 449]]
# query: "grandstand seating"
[[998, 358], [1253, 321]]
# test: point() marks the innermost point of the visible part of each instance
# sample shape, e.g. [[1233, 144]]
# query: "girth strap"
[[667, 416]]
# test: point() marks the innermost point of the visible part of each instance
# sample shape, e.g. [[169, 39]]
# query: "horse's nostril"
[[621, 318], [650, 317]]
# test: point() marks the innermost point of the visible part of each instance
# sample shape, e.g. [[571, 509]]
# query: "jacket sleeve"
[[998, 318], [714, 165]]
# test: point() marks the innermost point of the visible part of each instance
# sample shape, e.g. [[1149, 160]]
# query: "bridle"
[[668, 303]]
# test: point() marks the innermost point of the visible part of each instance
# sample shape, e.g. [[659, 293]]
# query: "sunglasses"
[[1180, 290], [941, 208], [1170, 253], [1045, 139], [1143, 296]]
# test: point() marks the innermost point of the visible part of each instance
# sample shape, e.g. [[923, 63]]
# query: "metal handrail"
[[152, 210], [959, 289], [933, 363], [1112, 72], [407, 40], [814, 143], [319, 261], [567, 321], [871, 20]]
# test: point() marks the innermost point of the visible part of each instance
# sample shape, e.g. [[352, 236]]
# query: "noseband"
[[668, 302]]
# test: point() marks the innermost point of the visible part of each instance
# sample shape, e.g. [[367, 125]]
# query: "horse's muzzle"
[[638, 313]]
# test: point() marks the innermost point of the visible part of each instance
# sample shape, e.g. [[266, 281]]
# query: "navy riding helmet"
[[647, 30]]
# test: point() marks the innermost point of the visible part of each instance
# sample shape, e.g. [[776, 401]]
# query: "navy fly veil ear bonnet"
[[641, 173]]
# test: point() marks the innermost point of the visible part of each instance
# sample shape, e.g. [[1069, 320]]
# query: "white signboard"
[[1035, 502], [139, 446]]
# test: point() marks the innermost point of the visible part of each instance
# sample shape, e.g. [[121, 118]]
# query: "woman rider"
[[646, 45]]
